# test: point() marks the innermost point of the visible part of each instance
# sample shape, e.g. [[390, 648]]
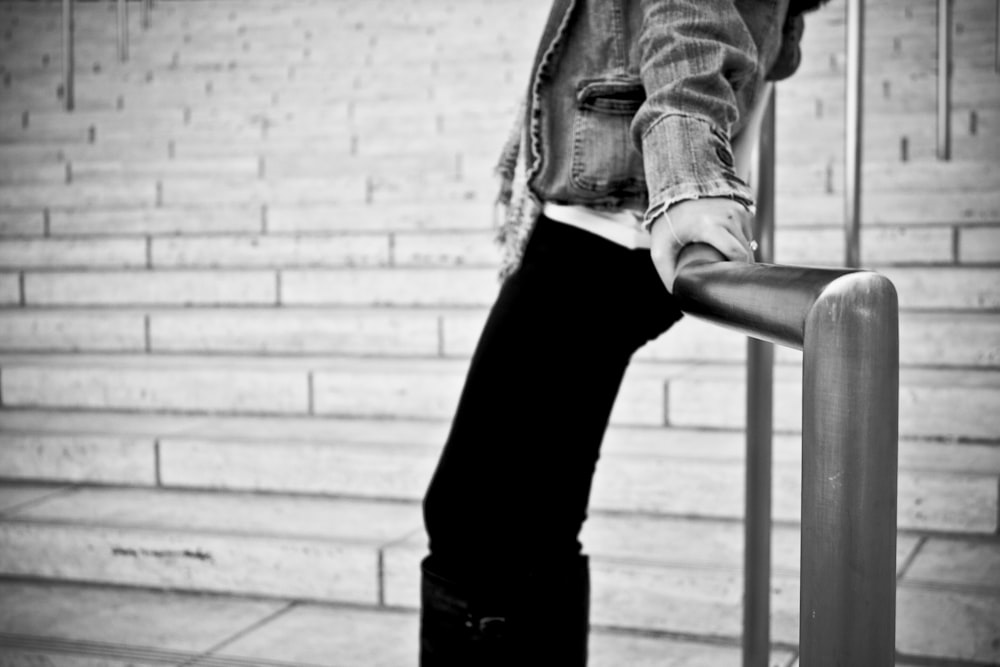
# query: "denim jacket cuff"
[[686, 157]]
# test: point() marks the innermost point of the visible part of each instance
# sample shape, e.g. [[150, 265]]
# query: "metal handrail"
[[122, 16], [760, 412], [853, 130], [69, 28], [846, 323], [944, 21]]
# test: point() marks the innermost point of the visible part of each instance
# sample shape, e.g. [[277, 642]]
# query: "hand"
[[722, 223]]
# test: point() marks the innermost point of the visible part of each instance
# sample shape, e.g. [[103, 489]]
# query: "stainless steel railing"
[[853, 128], [68, 30], [846, 323], [944, 25], [68, 33]]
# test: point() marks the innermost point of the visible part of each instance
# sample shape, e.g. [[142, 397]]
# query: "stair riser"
[[960, 289], [312, 569], [966, 340], [632, 595], [649, 485], [882, 246], [925, 411]]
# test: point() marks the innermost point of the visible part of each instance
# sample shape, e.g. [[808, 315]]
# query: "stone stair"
[[239, 288]]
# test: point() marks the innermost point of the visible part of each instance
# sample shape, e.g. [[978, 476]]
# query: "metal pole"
[[122, 30], [850, 409], [853, 131], [944, 80], [760, 390], [68, 63]]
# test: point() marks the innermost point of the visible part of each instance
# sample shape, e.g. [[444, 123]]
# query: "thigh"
[[514, 477]]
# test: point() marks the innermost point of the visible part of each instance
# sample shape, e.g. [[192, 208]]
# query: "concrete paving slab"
[[230, 514], [126, 616], [616, 650], [683, 600], [42, 657], [339, 571], [948, 624], [951, 562], [332, 637], [13, 497]]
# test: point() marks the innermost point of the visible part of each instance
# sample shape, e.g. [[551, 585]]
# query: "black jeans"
[[510, 492]]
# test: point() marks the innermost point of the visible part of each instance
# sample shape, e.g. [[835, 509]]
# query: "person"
[[623, 158]]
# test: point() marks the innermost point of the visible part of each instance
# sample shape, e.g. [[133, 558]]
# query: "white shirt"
[[621, 227]]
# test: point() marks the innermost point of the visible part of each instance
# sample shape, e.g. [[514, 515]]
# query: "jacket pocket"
[[605, 161]]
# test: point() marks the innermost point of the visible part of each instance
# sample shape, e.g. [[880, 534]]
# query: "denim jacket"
[[632, 103]]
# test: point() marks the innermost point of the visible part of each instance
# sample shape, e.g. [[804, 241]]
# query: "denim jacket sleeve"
[[699, 65]]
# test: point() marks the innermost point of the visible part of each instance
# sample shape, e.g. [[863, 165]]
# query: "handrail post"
[[68, 55], [849, 468], [853, 131], [122, 7], [944, 79], [760, 391]]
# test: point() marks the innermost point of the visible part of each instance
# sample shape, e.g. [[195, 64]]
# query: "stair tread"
[[674, 443], [226, 513], [928, 338], [664, 472], [688, 371]]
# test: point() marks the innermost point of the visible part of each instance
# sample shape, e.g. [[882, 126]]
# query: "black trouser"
[[510, 493]]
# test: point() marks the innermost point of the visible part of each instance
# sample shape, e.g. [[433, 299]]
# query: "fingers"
[[722, 223], [735, 248]]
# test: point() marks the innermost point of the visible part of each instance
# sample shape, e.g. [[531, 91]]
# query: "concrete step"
[[211, 542], [59, 622], [68, 243], [277, 251], [327, 549], [794, 208], [958, 288], [664, 472], [945, 403], [891, 208], [917, 176], [347, 287], [247, 219], [927, 339]]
